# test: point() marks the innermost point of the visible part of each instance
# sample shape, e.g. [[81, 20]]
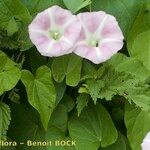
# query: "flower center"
[[55, 35], [94, 43]]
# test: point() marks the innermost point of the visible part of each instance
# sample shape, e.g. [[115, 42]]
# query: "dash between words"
[[31, 143]]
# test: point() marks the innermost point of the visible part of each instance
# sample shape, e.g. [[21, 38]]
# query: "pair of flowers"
[[95, 36]]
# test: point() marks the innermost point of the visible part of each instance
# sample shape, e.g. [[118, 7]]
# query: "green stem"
[[17, 59], [35, 6], [90, 6], [2, 97]]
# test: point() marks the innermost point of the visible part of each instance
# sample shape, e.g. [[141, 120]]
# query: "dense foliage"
[[101, 107]]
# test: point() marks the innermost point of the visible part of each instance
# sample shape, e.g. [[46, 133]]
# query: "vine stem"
[[90, 6], [35, 6], [2, 97], [17, 59]]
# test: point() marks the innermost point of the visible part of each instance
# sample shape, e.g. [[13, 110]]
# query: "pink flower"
[[146, 142], [100, 37], [54, 31]]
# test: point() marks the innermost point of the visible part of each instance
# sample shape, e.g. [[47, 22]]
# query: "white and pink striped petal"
[[146, 142], [100, 37], [54, 31]]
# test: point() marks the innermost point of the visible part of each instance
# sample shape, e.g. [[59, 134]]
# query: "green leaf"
[[94, 87], [111, 84], [36, 60], [69, 67], [23, 40], [76, 5], [120, 144], [121, 63], [82, 102], [88, 70], [140, 96], [60, 91], [14, 96], [59, 68], [7, 42], [141, 23], [140, 48], [73, 70], [15, 18], [12, 27], [58, 129], [59, 121], [125, 11], [4, 120], [122, 76], [40, 5], [13, 9], [68, 102], [137, 123], [26, 125], [19, 40], [93, 128], [9, 73], [41, 92], [138, 42]]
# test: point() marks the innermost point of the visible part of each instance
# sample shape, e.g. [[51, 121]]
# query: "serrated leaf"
[[14, 96], [122, 76], [19, 40], [9, 73], [137, 123], [82, 101], [69, 67], [41, 92], [140, 96], [13, 9], [4, 120], [93, 128], [110, 84], [76, 5], [23, 40], [121, 63], [12, 27], [14, 18], [94, 87], [7, 42]]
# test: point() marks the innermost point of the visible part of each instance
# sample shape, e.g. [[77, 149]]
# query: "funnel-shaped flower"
[[100, 36], [54, 31], [146, 142]]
